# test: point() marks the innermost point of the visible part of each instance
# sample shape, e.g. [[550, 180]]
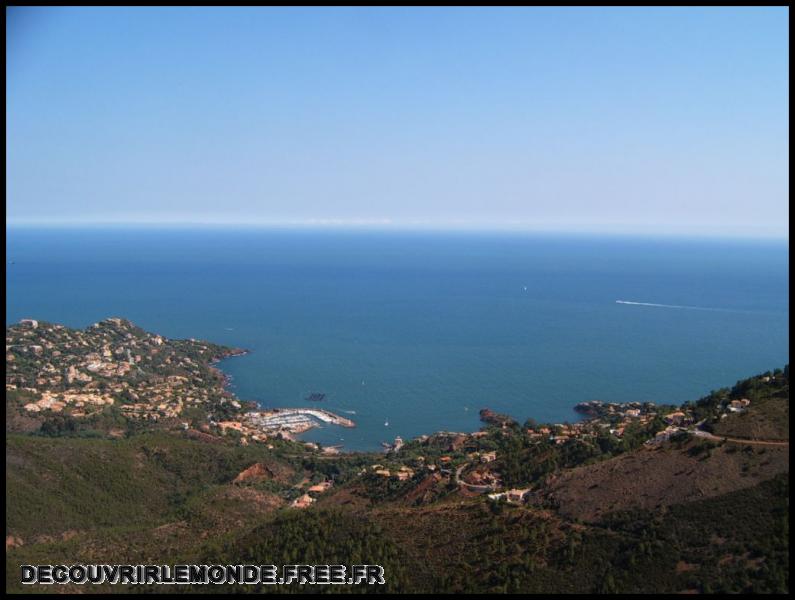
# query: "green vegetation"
[[766, 417], [317, 537], [69, 380], [724, 544], [54, 485], [107, 488]]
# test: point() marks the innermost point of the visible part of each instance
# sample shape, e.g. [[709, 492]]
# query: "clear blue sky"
[[645, 120]]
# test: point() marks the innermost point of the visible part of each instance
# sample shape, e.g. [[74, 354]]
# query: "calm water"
[[423, 330]]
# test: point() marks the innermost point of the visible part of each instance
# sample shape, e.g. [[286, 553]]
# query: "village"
[[151, 378], [80, 372], [473, 472], [146, 377]]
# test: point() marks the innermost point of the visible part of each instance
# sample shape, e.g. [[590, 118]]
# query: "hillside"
[[635, 498], [658, 477], [112, 374]]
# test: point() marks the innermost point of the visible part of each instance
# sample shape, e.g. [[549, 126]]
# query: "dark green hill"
[[604, 514]]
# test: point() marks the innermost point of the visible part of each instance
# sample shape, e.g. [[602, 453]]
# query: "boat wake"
[[669, 305]]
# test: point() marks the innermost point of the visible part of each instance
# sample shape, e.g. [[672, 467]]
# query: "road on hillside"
[[716, 438]]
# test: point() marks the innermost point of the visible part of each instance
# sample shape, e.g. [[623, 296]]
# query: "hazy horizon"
[[373, 229]]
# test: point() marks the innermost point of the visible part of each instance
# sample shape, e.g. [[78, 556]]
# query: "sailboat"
[[386, 423]]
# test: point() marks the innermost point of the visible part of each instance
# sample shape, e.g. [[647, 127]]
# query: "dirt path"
[[717, 438], [758, 442]]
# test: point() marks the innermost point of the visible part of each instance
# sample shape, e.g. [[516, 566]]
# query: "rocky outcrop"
[[489, 416], [254, 474], [13, 541]]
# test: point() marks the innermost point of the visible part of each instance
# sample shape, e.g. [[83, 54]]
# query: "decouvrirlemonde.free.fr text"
[[203, 574]]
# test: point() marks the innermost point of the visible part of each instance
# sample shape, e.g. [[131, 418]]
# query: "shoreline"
[[227, 379], [293, 422], [281, 421]]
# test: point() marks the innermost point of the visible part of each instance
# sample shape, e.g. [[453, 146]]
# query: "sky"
[[656, 120]]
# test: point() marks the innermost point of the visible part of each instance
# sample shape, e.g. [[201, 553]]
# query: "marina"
[[294, 420]]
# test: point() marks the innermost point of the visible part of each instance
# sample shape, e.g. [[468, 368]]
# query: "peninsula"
[[115, 368]]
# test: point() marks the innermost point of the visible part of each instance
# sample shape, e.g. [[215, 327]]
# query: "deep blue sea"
[[424, 329]]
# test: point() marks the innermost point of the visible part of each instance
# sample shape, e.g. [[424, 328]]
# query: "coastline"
[[288, 422], [226, 378]]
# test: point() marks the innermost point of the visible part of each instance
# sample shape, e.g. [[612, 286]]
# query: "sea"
[[409, 333]]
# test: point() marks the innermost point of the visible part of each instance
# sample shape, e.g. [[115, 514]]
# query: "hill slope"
[[617, 505]]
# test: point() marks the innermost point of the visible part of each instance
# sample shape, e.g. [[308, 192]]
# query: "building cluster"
[[78, 372], [481, 480], [81, 403], [681, 421], [473, 469], [148, 377], [309, 497], [402, 473], [602, 417], [514, 496], [737, 406], [394, 446]]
